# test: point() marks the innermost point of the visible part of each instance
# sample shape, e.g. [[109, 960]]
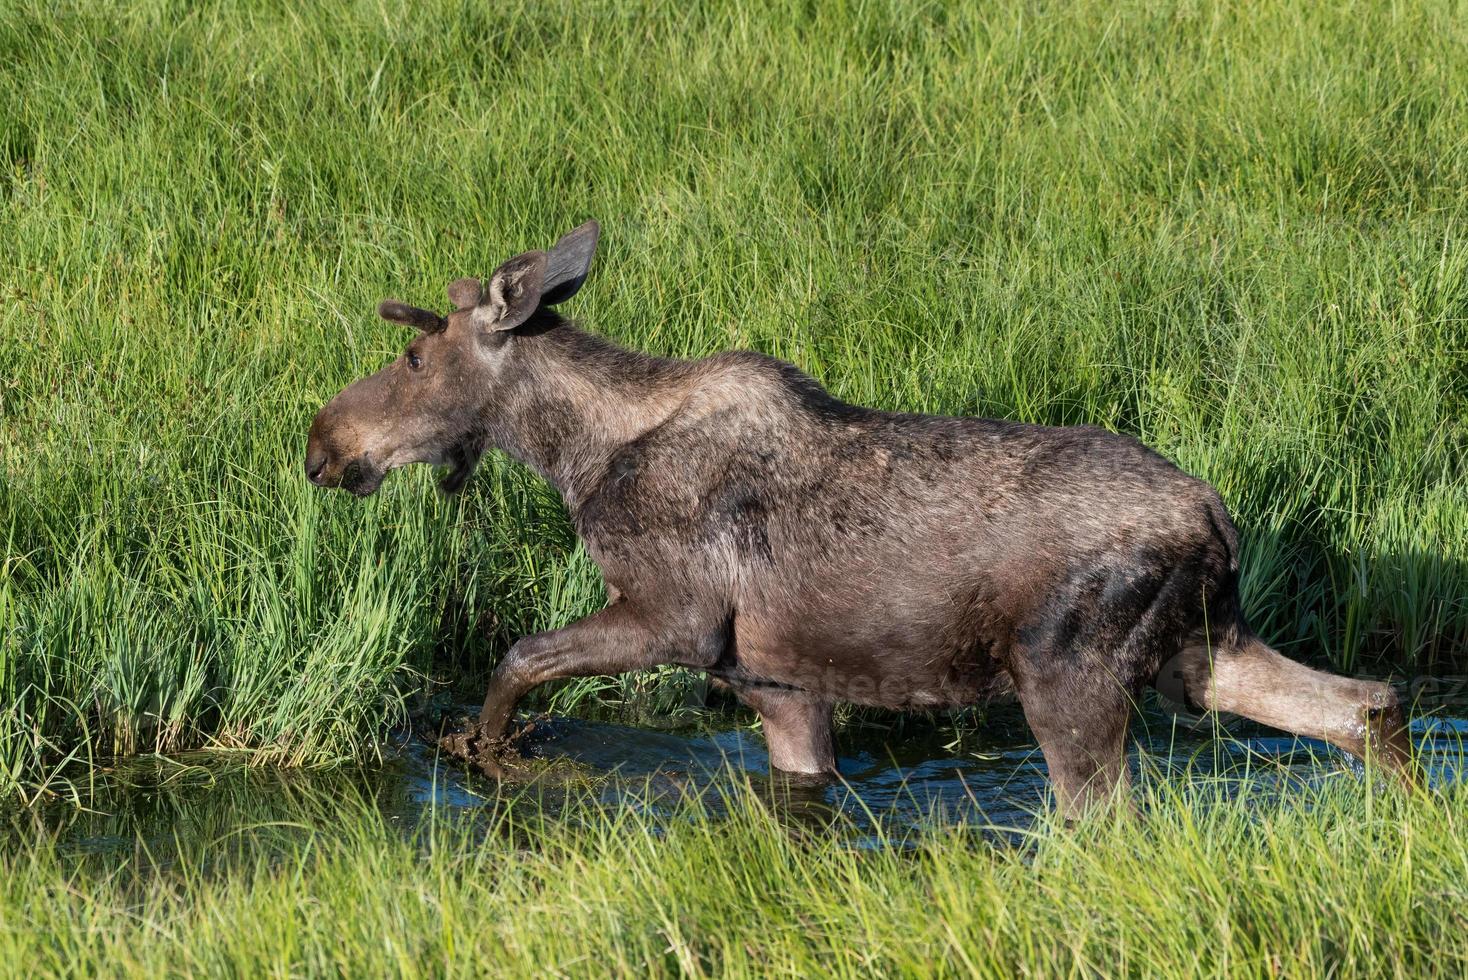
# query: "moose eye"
[[414, 361]]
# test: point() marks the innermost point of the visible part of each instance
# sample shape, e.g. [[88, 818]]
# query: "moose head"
[[430, 404]]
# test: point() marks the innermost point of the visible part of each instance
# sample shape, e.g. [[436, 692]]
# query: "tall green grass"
[[1235, 230], [1334, 882]]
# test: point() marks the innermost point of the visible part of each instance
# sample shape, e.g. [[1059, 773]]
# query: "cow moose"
[[806, 551]]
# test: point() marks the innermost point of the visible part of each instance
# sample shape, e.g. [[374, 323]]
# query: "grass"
[[1337, 881], [1235, 230]]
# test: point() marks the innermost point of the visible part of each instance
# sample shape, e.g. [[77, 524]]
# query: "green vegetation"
[[1335, 882], [1235, 230]]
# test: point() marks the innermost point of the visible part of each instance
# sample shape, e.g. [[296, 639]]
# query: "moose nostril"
[[315, 466]]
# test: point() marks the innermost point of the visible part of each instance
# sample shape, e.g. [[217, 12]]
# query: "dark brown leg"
[[614, 641], [797, 726], [1080, 721], [1253, 680]]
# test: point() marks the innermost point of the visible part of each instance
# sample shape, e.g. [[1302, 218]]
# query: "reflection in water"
[[151, 808]]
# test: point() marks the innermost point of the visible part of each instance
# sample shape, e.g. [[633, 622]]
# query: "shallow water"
[[993, 779]]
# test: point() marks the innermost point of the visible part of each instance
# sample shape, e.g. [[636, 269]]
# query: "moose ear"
[[569, 263], [465, 293], [513, 294], [410, 316]]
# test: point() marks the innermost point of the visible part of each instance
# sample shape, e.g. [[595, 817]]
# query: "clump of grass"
[[1236, 233], [1337, 881]]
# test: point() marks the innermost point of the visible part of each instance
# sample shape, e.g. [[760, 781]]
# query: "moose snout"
[[334, 458], [321, 468]]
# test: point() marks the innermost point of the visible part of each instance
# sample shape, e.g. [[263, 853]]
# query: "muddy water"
[[992, 778]]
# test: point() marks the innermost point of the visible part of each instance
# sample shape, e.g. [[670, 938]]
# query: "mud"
[[504, 758]]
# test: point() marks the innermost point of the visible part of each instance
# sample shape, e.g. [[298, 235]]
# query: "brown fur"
[[808, 551]]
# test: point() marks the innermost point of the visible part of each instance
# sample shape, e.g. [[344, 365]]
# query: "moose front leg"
[[797, 726], [618, 639]]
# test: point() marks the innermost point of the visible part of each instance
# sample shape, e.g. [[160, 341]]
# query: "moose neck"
[[580, 398]]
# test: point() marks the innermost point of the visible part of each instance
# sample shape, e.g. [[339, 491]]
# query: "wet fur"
[[887, 559]]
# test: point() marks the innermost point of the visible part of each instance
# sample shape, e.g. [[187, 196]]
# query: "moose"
[[804, 551]]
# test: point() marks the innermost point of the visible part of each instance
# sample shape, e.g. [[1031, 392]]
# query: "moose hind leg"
[[1249, 678], [797, 727], [1080, 721]]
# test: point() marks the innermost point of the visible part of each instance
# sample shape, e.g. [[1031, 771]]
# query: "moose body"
[[805, 551]]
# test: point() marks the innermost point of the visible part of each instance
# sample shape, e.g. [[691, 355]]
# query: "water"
[[993, 779]]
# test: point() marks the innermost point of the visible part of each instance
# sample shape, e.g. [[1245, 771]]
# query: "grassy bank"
[[1237, 231], [1332, 883]]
